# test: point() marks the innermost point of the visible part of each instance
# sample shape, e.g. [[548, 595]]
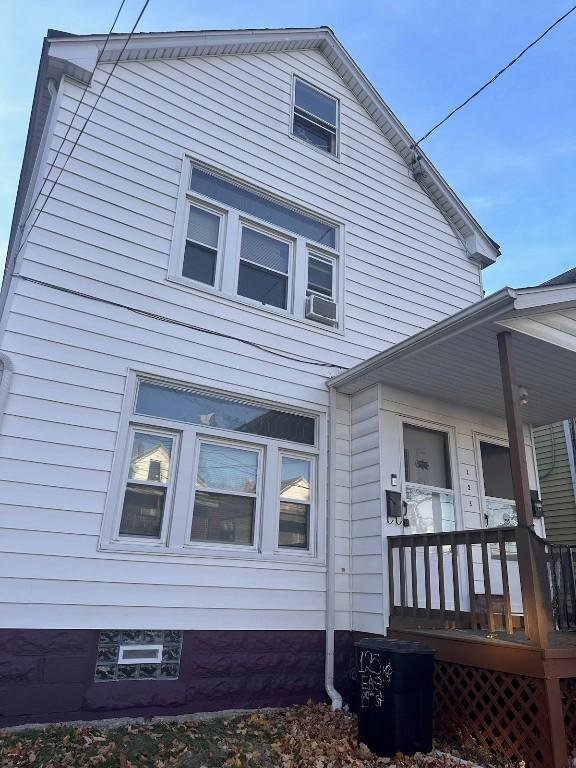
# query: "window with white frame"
[[207, 470], [245, 244], [296, 488], [315, 117], [202, 245], [321, 276], [428, 487]]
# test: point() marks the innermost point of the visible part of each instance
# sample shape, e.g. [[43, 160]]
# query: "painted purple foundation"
[[48, 675]]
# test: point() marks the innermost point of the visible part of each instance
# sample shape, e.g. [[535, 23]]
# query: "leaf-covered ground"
[[311, 736]]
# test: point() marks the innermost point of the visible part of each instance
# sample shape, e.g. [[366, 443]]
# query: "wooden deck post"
[[536, 599], [556, 722]]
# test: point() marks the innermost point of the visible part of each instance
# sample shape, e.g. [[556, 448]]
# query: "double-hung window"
[[264, 269], [201, 248], [315, 117], [246, 245], [225, 495], [209, 471], [321, 276]]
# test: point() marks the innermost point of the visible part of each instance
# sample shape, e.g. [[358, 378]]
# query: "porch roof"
[[457, 359]]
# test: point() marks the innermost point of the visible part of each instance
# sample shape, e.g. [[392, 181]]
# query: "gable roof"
[[76, 56], [564, 279]]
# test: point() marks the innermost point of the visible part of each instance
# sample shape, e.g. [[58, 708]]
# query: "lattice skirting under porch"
[[503, 713], [568, 688]]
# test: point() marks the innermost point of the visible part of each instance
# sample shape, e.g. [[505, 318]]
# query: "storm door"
[[428, 493], [499, 510]]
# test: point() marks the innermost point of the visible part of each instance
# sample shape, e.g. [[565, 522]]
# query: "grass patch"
[[311, 736]]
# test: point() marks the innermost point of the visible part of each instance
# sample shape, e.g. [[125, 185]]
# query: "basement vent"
[[140, 654]]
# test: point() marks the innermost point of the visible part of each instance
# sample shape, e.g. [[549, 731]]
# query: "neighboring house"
[[244, 347], [556, 455]]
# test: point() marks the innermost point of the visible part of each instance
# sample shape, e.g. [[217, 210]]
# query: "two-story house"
[[244, 346]]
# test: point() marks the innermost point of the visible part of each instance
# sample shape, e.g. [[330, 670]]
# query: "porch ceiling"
[[457, 360]]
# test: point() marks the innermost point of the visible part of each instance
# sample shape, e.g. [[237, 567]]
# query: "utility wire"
[[181, 323], [80, 102], [496, 76], [81, 131]]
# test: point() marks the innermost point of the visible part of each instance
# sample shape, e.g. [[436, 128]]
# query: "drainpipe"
[[335, 697]]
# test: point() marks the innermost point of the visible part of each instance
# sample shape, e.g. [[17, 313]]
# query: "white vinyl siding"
[[107, 231]]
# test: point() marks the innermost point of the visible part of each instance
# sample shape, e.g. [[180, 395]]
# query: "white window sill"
[[262, 310], [212, 552]]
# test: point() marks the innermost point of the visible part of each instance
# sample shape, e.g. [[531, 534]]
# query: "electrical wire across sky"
[[496, 76]]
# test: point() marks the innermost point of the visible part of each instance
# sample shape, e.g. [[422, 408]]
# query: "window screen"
[[426, 457]]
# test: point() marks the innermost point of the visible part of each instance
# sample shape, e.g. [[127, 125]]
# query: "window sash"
[[167, 487], [317, 290], [215, 250], [256, 496], [326, 100], [211, 400], [309, 504], [240, 198]]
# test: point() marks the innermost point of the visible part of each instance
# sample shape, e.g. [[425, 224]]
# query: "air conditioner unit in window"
[[321, 310]]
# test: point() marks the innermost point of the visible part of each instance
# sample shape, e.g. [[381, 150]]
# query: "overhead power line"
[[496, 76], [91, 112], [181, 324]]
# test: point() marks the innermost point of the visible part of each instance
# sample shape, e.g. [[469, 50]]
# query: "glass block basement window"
[[117, 648]]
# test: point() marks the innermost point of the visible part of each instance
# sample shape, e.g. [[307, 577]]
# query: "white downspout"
[[335, 697]]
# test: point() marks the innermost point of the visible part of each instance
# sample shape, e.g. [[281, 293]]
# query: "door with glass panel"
[[499, 510], [430, 501]]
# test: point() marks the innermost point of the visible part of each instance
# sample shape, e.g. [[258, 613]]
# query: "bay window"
[[206, 471], [246, 245]]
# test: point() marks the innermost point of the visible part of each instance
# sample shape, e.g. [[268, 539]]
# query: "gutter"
[[335, 697]]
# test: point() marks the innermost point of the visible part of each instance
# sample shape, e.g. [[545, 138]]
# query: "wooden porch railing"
[[499, 580]]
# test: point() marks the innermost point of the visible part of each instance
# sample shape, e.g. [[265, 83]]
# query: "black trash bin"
[[395, 689]]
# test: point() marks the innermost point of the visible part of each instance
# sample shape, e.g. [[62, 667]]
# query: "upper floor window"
[[315, 118], [246, 244]]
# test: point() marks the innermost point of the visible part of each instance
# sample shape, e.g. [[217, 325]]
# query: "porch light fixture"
[[523, 395]]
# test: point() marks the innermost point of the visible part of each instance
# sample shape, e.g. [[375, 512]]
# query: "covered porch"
[[486, 590]]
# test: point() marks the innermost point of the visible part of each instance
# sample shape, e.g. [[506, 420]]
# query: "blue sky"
[[509, 155]]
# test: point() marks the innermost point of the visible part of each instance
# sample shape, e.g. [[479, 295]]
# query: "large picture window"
[[202, 470]]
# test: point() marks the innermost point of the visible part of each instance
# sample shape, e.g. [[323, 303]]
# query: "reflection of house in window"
[[152, 465], [297, 489]]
